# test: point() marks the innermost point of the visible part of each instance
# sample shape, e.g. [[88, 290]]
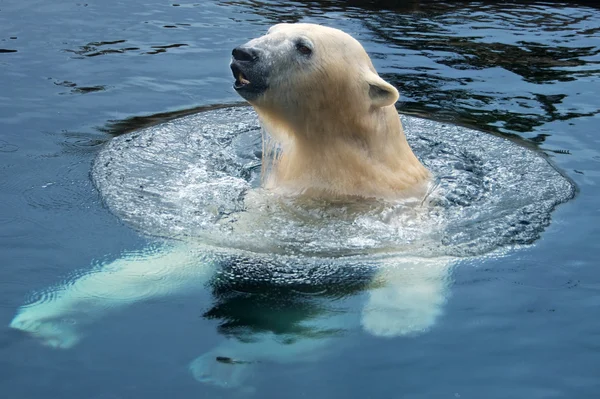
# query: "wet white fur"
[[54, 319], [334, 118]]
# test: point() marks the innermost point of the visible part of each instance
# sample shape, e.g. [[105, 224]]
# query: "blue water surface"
[[520, 326]]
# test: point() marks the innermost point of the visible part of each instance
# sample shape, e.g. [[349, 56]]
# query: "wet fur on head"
[[332, 116]]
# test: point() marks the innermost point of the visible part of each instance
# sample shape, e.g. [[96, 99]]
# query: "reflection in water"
[[517, 56]]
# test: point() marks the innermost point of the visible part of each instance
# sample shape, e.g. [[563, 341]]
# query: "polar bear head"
[[301, 68], [317, 92]]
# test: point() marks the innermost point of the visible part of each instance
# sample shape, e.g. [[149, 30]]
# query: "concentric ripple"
[[196, 178]]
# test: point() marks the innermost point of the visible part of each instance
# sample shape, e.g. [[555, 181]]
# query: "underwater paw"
[[395, 311], [395, 322], [220, 371], [55, 333]]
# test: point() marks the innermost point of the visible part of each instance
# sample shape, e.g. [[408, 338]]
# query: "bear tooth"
[[242, 79]]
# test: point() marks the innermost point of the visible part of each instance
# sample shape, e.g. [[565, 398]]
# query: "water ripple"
[[188, 179], [5, 146], [95, 49]]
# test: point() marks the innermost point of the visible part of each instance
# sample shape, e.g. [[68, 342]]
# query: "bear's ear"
[[381, 92]]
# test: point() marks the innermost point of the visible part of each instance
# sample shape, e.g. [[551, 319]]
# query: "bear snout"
[[245, 54], [250, 71]]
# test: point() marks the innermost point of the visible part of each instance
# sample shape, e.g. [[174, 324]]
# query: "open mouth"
[[241, 81], [250, 80]]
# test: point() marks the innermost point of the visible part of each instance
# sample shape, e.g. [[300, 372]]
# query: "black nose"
[[244, 54]]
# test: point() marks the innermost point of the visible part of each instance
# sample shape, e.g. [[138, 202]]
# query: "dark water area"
[[73, 74]]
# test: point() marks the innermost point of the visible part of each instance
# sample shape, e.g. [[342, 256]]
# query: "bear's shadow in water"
[[295, 321], [288, 310]]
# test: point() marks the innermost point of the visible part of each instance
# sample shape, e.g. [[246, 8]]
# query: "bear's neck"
[[364, 156]]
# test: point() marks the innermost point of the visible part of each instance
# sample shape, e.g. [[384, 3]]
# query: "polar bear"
[[335, 135]]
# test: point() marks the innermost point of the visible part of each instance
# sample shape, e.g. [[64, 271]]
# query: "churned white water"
[[197, 178]]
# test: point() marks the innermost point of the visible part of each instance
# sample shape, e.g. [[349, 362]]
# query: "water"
[[521, 325], [197, 179]]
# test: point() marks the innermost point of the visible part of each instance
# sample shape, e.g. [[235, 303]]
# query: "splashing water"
[[196, 178]]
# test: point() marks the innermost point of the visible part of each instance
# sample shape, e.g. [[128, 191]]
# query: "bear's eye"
[[303, 49]]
